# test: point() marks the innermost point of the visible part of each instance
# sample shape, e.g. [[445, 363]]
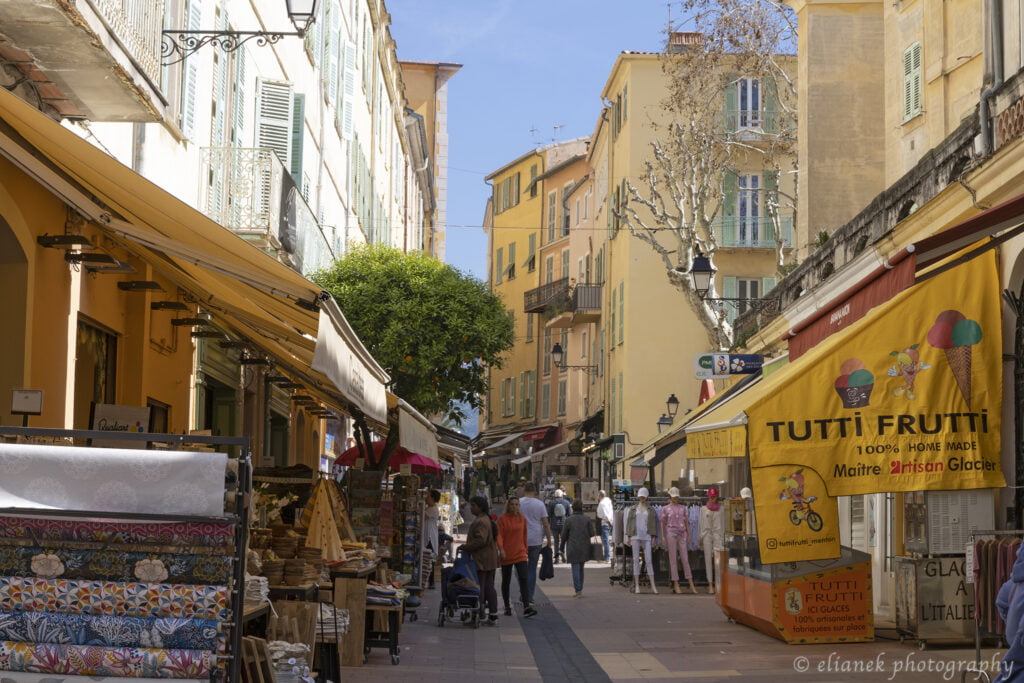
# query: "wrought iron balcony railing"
[[554, 295], [745, 231], [137, 24], [586, 298]]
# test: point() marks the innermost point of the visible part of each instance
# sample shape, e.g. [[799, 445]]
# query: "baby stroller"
[[460, 591]]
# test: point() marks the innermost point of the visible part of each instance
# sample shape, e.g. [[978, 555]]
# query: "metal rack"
[[240, 489]]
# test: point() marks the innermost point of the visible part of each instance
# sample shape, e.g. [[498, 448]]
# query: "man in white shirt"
[[606, 517], [537, 529]]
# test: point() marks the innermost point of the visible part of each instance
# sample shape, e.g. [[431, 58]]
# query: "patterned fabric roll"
[[214, 534], [110, 598], [23, 677], [113, 565], [88, 660], [108, 631]]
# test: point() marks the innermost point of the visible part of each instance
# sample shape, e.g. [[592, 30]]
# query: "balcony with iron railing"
[[586, 303], [752, 123], [753, 231], [250, 193], [99, 60], [554, 296]]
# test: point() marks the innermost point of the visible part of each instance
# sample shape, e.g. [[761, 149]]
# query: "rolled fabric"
[[113, 565], [212, 534], [163, 600], [24, 677], [109, 631], [89, 660]]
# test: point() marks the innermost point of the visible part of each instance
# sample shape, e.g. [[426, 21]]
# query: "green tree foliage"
[[433, 328]]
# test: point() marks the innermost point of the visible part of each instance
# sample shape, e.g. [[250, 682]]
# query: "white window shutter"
[[239, 137], [347, 127], [333, 48], [218, 134], [193, 22], [274, 118]]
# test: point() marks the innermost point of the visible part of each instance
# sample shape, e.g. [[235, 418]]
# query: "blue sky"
[[526, 64]]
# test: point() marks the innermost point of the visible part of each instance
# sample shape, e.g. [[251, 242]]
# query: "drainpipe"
[[986, 137]]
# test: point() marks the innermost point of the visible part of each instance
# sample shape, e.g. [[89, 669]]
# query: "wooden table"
[[350, 594]]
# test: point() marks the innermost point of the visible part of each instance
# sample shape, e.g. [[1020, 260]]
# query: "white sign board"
[[107, 417]]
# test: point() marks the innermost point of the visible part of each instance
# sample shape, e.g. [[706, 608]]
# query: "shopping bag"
[[596, 549]]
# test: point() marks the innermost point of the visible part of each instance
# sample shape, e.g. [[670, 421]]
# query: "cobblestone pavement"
[[612, 634]]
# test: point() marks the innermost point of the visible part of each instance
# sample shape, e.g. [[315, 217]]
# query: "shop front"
[[907, 399]]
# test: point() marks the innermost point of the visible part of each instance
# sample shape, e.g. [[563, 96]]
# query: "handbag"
[[596, 549]]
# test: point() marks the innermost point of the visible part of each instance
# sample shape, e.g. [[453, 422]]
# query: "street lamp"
[[673, 406], [177, 45], [702, 273], [557, 355], [663, 422]]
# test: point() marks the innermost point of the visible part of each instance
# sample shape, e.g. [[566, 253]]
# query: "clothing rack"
[[620, 551], [976, 536], [226, 656]]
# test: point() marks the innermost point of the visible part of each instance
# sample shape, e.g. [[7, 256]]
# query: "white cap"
[[746, 493], [673, 492], [643, 493], [559, 493]]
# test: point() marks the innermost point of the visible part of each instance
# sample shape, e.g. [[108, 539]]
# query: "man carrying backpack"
[[559, 510]]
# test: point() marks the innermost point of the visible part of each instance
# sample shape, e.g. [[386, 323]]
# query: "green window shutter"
[[496, 207], [533, 179], [499, 265], [732, 117], [622, 309], [912, 81], [511, 260], [625, 101], [531, 389], [298, 130], [729, 289], [531, 257], [515, 189], [729, 184], [504, 411], [561, 213], [614, 310], [220, 91], [767, 285], [600, 358], [512, 396], [770, 182], [771, 112], [611, 403], [622, 392]]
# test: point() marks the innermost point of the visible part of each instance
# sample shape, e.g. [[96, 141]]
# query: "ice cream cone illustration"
[[956, 334], [855, 383]]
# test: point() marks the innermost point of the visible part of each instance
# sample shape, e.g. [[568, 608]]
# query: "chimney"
[[681, 41]]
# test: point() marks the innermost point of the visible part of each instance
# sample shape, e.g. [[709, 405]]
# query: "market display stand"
[[236, 497], [350, 594], [387, 639]]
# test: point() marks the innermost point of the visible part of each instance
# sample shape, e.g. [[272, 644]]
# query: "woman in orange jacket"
[[512, 554]]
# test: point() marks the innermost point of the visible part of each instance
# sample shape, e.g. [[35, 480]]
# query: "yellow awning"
[[255, 296]]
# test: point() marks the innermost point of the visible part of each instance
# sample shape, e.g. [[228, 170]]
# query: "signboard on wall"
[[107, 417], [723, 365]]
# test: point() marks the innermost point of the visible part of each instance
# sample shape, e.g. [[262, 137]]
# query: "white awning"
[[505, 440], [520, 461], [415, 432], [539, 455], [356, 375]]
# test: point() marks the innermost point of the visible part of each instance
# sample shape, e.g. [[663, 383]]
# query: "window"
[[552, 215], [741, 288], [529, 327], [613, 310], [510, 269], [514, 190], [749, 97], [586, 202], [545, 401], [564, 210], [499, 265], [912, 81], [533, 180], [508, 397], [563, 339], [95, 371], [274, 118], [531, 258], [531, 389], [622, 309], [583, 345], [547, 352], [549, 269], [563, 390], [565, 264], [577, 218], [748, 210], [522, 393]]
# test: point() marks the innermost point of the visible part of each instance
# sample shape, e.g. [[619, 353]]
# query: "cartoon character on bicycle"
[[793, 490]]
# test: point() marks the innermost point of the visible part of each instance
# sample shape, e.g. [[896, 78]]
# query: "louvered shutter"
[[499, 265], [330, 74], [511, 269], [770, 121], [614, 311], [622, 393], [770, 182], [298, 135], [274, 118], [767, 285], [912, 81], [239, 137], [220, 90], [189, 91], [729, 288], [532, 251], [347, 127], [729, 185], [522, 394], [622, 310], [732, 115]]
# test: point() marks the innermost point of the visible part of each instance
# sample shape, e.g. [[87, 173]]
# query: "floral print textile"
[[112, 565], [88, 660], [215, 534], [108, 631], [162, 600], [23, 677]]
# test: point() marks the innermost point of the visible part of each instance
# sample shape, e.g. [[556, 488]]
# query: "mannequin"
[[641, 528], [711, 535], [675, 536]]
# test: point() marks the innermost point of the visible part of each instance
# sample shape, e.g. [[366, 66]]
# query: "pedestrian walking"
[[537, 530], [606, 518], [559, 510], [481, 544], [576, 535], [513, 555], [430, 531]]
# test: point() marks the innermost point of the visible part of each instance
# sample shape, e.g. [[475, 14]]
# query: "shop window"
[[159, 416], [95, 370]]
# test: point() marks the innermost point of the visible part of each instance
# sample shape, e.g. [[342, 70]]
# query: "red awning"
[[877, 288], [536, 434], [989, 222]]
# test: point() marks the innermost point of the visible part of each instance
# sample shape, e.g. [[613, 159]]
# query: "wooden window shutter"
[[770, 182], [729, 184], [238, 136], [771, 111], [190, 72], [347, 127], [522, 394], [274, 118], [331, 52], [614, 310], [767, 285], [622, 310], [298, 130], [732, 114], [729, 291], [912, 81], [499, 265], [622, 392]]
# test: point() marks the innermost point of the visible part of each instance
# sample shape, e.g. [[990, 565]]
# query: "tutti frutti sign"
[[722, 365]]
